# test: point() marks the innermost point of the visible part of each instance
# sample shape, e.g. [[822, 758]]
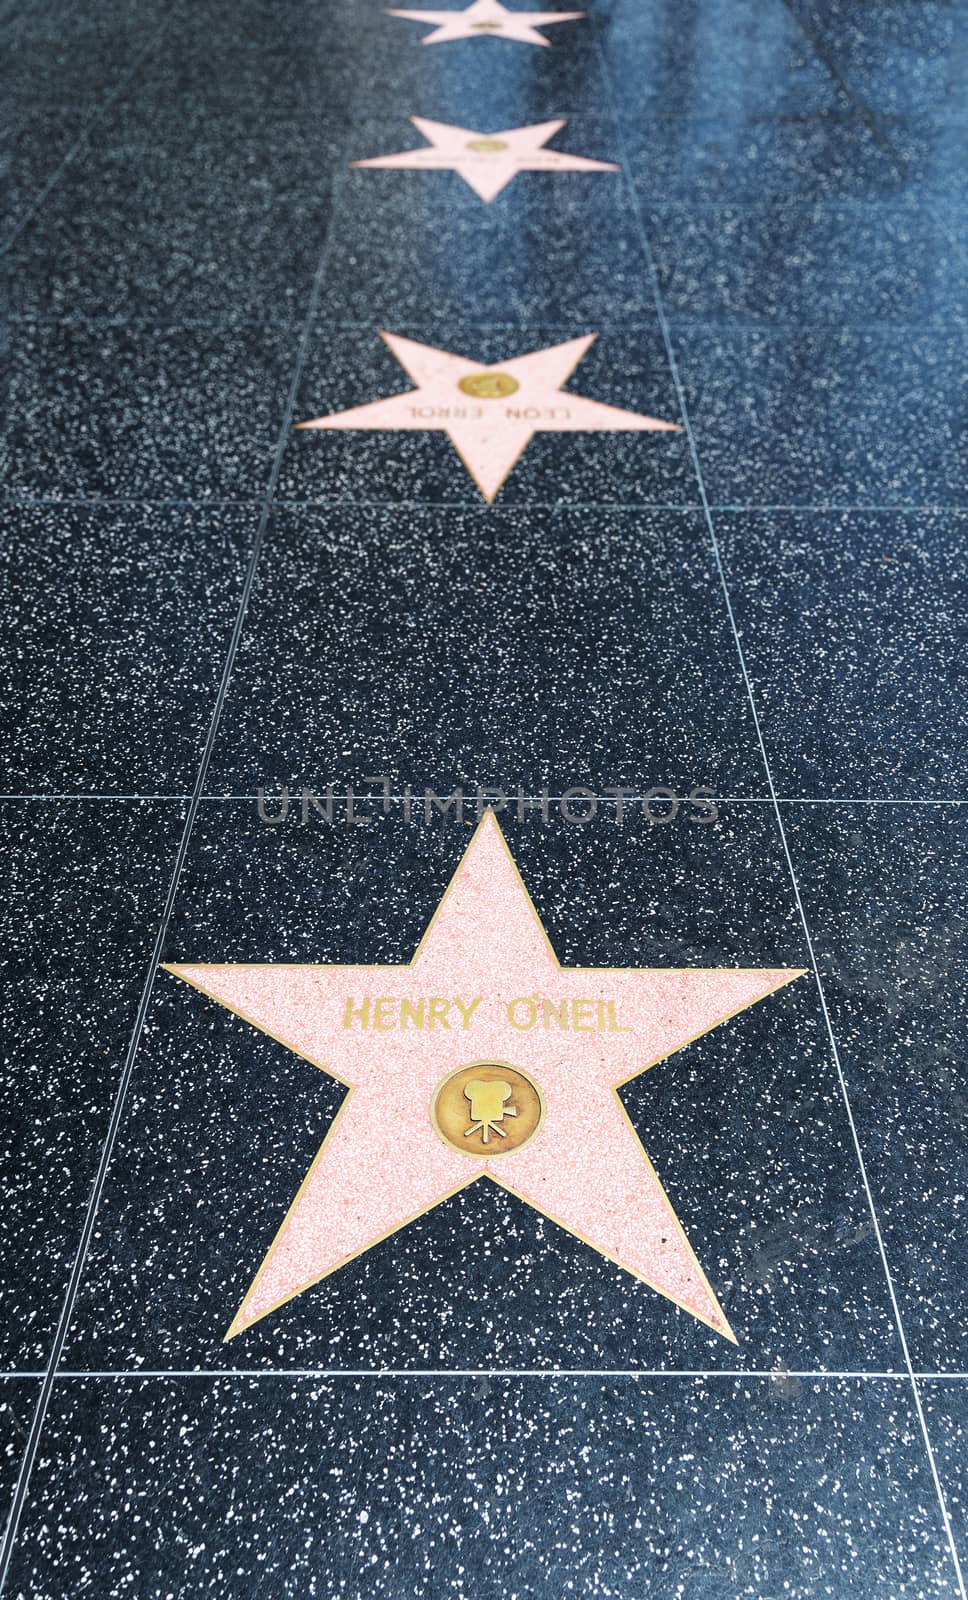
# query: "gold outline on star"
[[488, 819]]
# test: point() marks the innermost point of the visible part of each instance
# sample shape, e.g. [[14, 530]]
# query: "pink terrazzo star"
[[490, 414], [488, 161], [488, 19], [483, 987]]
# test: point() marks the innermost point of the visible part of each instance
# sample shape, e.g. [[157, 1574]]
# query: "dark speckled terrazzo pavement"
[[217, 627]]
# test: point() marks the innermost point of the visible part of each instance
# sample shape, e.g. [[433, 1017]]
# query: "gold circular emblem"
[[486, 147], [488, 1108], [488, 385]]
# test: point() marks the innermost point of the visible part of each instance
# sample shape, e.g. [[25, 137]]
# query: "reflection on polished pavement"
[[485, 601]]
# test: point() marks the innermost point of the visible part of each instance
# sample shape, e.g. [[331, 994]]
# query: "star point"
[[482, 1057]]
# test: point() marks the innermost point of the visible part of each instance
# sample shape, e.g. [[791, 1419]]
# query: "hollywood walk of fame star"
[[488, 19], [490, 414], [488, 161], [482, 1058]]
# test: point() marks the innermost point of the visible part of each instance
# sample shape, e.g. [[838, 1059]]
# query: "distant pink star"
[[488, 161], [488, 18], [484, 987], [491, 413]]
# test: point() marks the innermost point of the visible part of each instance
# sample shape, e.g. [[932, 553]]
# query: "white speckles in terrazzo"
[[412, 1490]]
